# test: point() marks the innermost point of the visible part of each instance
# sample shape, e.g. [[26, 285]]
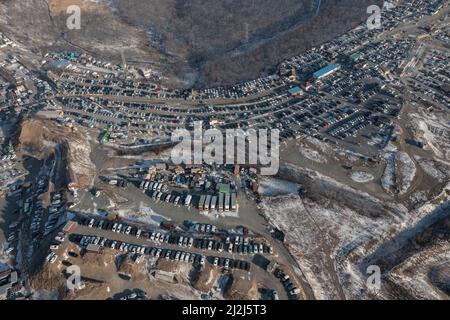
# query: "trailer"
[[213, 203], [233, 202], [220, 202], [227, 202], [207, 203], [187, 201], [201, 203]]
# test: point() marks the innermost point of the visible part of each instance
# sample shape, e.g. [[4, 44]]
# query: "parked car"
[[275, 295]]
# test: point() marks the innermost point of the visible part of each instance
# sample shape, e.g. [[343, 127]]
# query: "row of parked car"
[[204, 228], [231, 263], [168, 254], [55, 211], [289, 286], [230, 247], [113, 226], [166, 197], [236, 244]]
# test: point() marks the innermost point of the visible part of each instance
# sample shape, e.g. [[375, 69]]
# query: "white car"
[[50, 256], [191, 242], [152, 237], [180, 241], [275, 295], [202, 260], [54, 247], [114, 228], [177, 255], [59, 238], [294, 291], [128, 230], [53, 259], [182, 255], [91, 223], [113, 244], [216, 261], [158, 253], [9, 250], [138, 233]]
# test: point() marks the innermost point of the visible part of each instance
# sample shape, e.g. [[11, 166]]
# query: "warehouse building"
[[322, 73]]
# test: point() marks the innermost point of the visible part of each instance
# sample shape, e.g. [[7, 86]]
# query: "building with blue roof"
[[326, 71]]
